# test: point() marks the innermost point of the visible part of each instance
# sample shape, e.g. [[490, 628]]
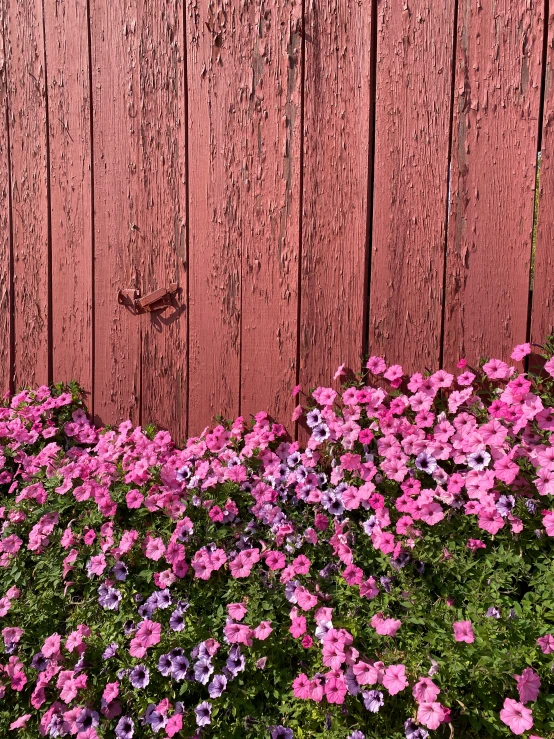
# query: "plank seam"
[[301, 199], [536, 196], [448, 182], [48, 212], [92, 241], [187, 218], [11, 276], [370, 183]]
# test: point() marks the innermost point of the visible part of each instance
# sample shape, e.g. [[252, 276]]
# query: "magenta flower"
[[463, 631], [546, 643], [528, 685]]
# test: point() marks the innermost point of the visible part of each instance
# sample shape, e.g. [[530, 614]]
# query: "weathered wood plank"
[[6, 358], [219, 87], [117, 203], [271, 207], [162, 215], [542, 318], [497, 90], [67, 57], [412, 127], [26, 73], [336, 164]]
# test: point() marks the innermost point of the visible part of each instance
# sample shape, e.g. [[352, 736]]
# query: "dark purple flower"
[[125, 728], [202, 671], [180, 667], [217, 686], [164, 598], [280, 732], [139, 676], [413, 731], [110, 599], [120, 571], [110, 651], [373, 700], [39, 662], [177, 620], [203, 713], [165, 665], [129, 627], [386, 582], [155, 719], [320, 432], [531, 505], [87, 719], [505, 504], [351, 682]]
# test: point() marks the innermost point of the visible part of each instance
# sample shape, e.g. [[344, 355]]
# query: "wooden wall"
[[321, 178]]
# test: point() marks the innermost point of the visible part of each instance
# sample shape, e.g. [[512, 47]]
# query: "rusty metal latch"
[[155, 301]]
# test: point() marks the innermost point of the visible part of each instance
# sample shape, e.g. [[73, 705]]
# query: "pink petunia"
[[21, 722], [155, 549], [51, 646], [174, 724], [516, 716], [463, 631], [546, 643], [147, 635], [238, 634], [262, 631], [301, 687], [385, 626], [431, 714], [528, 685], [237, 611], [425, 690], [298, 626], [394, 679], [520, 352], [275, 560], [111, 691]]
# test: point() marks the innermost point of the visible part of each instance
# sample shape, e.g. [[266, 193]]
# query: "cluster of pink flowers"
[[384, 468]]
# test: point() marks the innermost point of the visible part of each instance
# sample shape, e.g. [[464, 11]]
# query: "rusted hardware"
[[155, 301]]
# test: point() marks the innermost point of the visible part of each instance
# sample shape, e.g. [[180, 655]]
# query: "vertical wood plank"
[[271, 201], [336, 164], [497, 91], [219, 85], [116, 130], [67, 57], [25, 63], [162, 215], [542, 318], [6, 358], [412, 127]]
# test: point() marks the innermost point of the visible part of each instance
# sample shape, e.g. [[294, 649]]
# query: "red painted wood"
[[219, 88], [26, 73], [6, 358], [497, 90], [67, 57], [162, 212], [117, 207], [412, 122], [270, 206], [542, 318], [336, 163]]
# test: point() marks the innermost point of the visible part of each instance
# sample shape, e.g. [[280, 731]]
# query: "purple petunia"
[[177, 620], [110, 651], [139, 676], [217, 686], [203, 713], [373, 700], [281, 732], [202, 670], [125, 728], [87, 719]]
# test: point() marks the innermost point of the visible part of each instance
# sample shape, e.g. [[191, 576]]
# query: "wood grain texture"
[[26, 73], [117, 203], [336, 163], [6, 358], [219, 85], [67, 58], [496, 107], [162, 214], [412, 128], [271, 207], [542, 318]]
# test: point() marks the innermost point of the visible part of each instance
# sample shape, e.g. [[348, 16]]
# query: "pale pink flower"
[[155, 549], [431, 715], [546, 643], [394, 679], [51, 646], [425, 690], [516, 717], [262, 631], [237, 611]]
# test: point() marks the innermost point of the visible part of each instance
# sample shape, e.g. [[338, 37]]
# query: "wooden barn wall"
[[317, 180]]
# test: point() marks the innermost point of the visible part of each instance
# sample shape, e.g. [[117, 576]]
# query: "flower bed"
[[392, 579]]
